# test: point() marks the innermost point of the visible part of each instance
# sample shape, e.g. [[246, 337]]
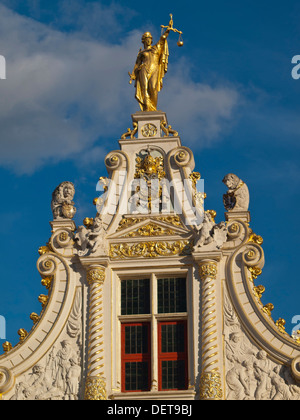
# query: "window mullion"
[[154, 334]]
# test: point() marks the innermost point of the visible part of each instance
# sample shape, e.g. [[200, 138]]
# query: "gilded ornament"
[[259, 291], [131, 221], [233, 228], [149, 130], [183, 157], [150, 170], [268, 308], [7, 346], [23, 334], [49, 266], [88, 221], [47, 282], [211, 386], [63, 236], [95, 389], [96, 275], [149, 167], [195, 177], [130, 133], [255, 271], [168, 129], [151, 229], [44, 250], [280, 324], [172, 220], [237, 230], [213, 214], [68, 211], [257, 239], [127, 222], [151, 249], [251, 254], [95, 354], [208, 270], [296, 336], [43, 299], [34, 317]]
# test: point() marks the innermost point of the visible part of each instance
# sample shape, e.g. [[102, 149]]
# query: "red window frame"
[[136, 357], [174, 356]]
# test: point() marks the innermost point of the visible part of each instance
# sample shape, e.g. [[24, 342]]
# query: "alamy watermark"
[[153, 196], [296, 68], [2, 328], [296, 320], [2, 67]]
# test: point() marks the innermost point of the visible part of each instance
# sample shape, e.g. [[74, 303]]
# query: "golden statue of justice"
[[151, 66]]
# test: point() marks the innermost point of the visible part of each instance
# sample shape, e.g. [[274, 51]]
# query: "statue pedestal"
[[149, 123], [242, 215]]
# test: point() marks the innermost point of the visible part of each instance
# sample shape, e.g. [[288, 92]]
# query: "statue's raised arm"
[[150, 68]]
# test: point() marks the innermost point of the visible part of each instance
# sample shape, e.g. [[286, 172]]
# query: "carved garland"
[[151, 249], [131, 221]]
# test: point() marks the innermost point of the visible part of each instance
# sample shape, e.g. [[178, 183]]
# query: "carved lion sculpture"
[[62, 201], [237, 196]]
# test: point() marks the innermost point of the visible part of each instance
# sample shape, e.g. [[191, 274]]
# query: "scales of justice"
[[151, 66]]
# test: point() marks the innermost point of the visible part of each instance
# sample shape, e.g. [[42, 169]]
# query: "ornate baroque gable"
[[152, 261]]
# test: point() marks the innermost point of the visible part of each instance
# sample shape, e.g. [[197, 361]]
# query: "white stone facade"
[[235, 350]]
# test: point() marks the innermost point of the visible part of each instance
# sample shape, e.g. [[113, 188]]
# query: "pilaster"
[[211, 383], [95, 386]]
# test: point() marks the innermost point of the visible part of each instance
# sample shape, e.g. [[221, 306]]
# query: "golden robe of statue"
[[150, 67]]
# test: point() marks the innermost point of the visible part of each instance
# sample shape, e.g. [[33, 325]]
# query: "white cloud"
[[66, 90], [200, 112]]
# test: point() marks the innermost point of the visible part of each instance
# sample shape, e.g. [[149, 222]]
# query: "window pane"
[[172, 338], [173, 374], [136, 376], [135, 297], [136, 339], [171, 295]]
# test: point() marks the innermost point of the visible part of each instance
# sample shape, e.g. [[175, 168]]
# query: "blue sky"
[[66, 102]]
